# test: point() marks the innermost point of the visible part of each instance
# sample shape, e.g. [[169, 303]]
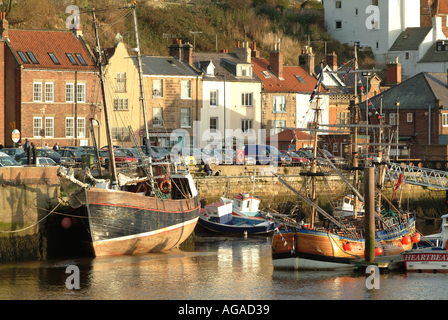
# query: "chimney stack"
[[188, 52], [244, 52], [4, 25], [332, 61], [306, 59], [393, 76], [276, 61]]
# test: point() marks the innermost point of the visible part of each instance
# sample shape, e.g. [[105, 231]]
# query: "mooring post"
[[369, 187]]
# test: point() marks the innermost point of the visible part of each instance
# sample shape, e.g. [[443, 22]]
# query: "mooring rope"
[[20, 230]]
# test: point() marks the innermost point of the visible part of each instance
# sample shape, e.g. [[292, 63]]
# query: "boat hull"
[[426, 260], [120, 222], [260, 228], [320, 250]]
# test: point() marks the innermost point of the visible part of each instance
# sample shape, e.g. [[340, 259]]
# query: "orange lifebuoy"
[[165, 186], [240, 157], [142, 188]]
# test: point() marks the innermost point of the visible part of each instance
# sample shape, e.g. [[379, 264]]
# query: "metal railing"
[[419, 176]]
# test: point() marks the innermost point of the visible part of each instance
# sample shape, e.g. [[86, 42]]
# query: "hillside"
[[221, 25]]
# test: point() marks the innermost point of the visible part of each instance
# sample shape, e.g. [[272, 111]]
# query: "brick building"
[[48, 86], [420, 114]]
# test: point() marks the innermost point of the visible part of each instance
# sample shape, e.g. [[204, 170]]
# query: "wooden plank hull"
[[314, 250], [120, 222]]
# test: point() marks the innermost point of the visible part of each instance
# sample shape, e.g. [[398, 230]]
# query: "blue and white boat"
[[218, 217]]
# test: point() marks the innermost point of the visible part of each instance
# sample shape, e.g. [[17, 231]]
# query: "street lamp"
[[397, 103]]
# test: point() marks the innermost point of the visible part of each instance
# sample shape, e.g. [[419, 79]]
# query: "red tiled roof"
[[290, 82], [40, 42]]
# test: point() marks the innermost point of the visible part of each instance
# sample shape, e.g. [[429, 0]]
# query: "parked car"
[[42, 153], [264, 154], [121, 159], [296, 159], [78, 148], [7, 161], [225, 156], [41, 161], [337, 161], [71, 157], [13, 151], [308, 154]]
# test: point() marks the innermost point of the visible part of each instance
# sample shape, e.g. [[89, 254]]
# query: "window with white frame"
[[49, 92], [279, 104], [157, 88], [409, 117], [246, 99], [37, 125], [445, 119], [279, 126], [81, 130], [70, 127], [214, 98], [213, 124], [49, 127], [184, 117], [392, 118], [185, 89], [121, 82], [121, 104], [157, 116], [37, 91], [69, 92], [246, 125], [81, 92]]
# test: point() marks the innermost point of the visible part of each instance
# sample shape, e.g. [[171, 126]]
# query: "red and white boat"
[[244, 205], [433, 259]]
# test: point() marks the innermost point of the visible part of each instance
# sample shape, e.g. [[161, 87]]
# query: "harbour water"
[[214, 268]]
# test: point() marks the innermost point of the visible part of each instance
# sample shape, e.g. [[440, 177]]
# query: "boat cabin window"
[[248, 204], [238, 203], [180, 188]]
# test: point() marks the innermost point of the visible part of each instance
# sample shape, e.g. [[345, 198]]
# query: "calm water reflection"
[[226, 268]]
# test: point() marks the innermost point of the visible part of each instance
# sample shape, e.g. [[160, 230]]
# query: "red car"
[[296, 159], [121, 159]]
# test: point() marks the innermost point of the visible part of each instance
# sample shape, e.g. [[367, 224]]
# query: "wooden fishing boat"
[[341, 238], [155, 211], [217, 217]]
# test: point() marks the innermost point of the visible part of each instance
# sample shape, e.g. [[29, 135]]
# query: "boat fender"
[[240, 157], [165, 186], [446, 245]]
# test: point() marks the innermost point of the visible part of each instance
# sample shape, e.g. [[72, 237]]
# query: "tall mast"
[[140, 72], [355, 140], [113, 167], [314, 164]]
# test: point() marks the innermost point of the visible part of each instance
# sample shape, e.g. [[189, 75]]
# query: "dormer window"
[[245, 71], [441, 46]]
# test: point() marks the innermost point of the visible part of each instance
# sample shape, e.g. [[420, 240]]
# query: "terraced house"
[[48, 86]]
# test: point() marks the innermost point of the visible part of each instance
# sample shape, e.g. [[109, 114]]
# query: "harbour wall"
[[27, 195]]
